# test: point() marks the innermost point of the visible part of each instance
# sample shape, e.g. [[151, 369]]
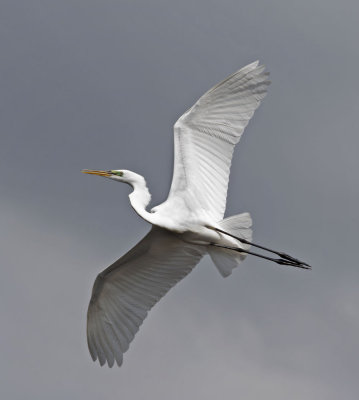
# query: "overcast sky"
[[99, 84]]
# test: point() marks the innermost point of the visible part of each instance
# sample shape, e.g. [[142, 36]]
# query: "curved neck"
[[140, 197]]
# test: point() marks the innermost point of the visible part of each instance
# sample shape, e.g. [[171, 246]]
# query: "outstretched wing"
[[206, 134], [124, 292]]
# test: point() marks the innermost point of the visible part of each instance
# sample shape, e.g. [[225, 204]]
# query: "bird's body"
[[189, 224]]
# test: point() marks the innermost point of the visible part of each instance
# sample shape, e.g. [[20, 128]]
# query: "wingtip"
[[119, 362], [110, 363], [255, 65], [252, 65]]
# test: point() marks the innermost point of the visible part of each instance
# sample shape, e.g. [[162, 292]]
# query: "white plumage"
[[125, 291], [188, 224], [206, 134]]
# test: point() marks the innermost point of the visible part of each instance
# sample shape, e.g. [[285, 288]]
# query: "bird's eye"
[[118, 173]]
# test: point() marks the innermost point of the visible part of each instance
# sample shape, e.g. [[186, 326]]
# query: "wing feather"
[[124, 292], [206, 134]]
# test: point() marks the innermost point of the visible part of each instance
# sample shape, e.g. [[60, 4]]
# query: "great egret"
[[188, 225]]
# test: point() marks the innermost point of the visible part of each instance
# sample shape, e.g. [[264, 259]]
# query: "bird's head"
[[120, 175]]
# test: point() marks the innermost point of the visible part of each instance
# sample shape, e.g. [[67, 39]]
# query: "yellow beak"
[[94, 172]]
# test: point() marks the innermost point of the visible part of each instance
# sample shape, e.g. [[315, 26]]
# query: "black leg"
[[284, 259]]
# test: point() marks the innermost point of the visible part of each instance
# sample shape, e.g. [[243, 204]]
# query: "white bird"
[[188, 225]]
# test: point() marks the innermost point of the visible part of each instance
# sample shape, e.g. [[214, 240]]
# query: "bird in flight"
[[189, 224]]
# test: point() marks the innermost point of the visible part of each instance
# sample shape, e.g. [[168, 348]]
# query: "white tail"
[[225, 260]]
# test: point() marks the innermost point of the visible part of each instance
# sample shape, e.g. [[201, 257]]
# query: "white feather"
[[124, 292], [205, 137]]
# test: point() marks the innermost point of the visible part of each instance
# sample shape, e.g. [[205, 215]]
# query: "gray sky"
[[99, 84]]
